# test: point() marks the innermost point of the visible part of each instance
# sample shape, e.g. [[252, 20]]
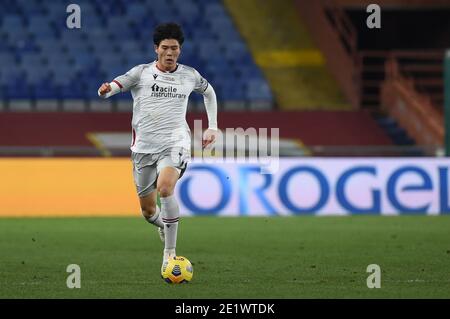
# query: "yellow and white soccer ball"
[[177, 270]]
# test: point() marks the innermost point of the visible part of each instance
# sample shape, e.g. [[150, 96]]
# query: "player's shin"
[[171, 213], [156, 218]]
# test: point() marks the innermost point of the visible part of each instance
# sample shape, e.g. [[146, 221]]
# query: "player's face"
[[168, 52]]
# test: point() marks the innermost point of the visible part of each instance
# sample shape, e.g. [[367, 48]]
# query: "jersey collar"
[[156, 67]]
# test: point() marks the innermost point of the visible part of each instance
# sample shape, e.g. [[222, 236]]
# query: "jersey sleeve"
[[129, 79], [200, 83]]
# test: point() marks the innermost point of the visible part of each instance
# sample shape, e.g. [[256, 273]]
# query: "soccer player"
[[161, 139]]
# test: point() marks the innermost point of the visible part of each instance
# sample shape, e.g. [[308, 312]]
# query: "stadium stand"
[[296, 55], [371, 64], [284, 50], [43, 59]]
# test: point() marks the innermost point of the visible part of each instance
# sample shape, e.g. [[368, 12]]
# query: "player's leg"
[[167, 179], [151, 212], [145, 174]]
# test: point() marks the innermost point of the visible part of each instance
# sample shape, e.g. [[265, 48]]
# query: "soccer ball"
[[177, 270]]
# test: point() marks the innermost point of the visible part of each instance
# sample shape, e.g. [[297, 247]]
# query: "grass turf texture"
[[280, 257]]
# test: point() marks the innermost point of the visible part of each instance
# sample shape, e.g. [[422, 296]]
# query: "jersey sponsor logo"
[[166, 91]]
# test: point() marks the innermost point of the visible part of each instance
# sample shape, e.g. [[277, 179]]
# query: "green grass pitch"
[[279, 257]]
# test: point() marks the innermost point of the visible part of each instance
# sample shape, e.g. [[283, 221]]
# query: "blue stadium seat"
[[7, 58], [231, 91], [196, 97], [11, 70], [236, 51], [4, 46], [91, 21], [13, 22], [92, 79], [132, 60], [31, 60], [72, 63], [57, 60], [111, 61], [113, 72], [45, 90], [83, 60], [187, 11], [111, 8], [50, 46], [23, 45], [130, 47], [120, 28], [136, 12], [16, 90], [63, 75], [122, 96], [39, 22], [104, 43], [74, 90], [71, 35], [10, 7], [257, 89], [53, 10], [209, 48], [250, 72], [37, 74], [214, 10], [203, 34], [160, 5]]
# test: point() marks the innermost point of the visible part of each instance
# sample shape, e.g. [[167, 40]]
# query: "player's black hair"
[[168, 31]]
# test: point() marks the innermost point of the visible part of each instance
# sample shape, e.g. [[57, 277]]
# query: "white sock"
[[171, 213], [156, 218], [168, 253]]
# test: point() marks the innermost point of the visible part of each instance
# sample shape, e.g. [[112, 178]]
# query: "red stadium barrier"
[[311, 127]]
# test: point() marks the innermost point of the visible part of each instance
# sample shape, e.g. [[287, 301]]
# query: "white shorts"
[[146, 167]]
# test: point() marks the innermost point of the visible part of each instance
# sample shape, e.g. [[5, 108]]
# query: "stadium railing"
[[415, 111], [337, 39]]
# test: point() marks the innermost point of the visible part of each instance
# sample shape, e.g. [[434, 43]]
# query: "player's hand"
[[209, 137], [105, 88]]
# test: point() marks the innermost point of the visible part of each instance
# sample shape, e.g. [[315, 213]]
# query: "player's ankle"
[[169, 253]]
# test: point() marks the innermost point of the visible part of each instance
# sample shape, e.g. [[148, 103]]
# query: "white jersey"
[[160, 102]]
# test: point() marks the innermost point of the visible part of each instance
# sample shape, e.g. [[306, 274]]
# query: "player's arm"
[[121, 83], [108, 89], [209, 97], [210, 100]]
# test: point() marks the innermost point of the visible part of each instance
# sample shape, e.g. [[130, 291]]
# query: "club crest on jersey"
[[155, 76], [167, 78]]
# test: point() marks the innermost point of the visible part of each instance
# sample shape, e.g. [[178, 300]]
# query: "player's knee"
[[148, 211], [165, 190]]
